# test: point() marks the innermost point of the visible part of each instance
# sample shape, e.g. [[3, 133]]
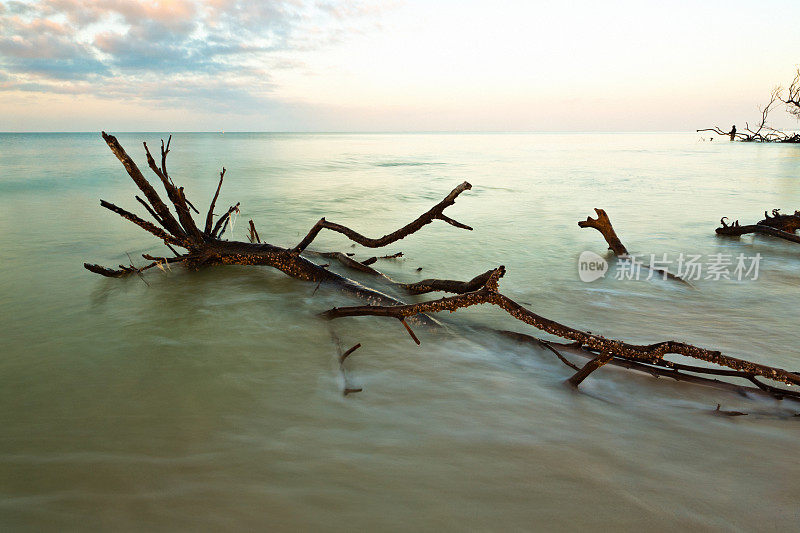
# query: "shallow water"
[[213, 399]]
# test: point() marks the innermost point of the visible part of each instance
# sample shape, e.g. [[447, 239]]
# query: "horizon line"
[[353, 132]]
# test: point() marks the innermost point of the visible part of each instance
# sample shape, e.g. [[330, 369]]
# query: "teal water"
[[212, 400]]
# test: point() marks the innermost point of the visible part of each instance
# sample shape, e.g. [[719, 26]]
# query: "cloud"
[[47, 48], [172, 51]]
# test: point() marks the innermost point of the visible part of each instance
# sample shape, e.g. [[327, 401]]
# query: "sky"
[[393, 65]]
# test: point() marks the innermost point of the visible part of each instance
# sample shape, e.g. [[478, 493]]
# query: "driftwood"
[[762, 132], [663, 368], [650, 354], [207, 248], [778, 225], [603, 224], [787, 223]]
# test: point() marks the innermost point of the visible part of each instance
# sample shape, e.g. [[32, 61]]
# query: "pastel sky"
[[395, 65]]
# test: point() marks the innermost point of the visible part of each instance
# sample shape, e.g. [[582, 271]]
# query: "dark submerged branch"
[[447, 285], [588, 368], [663, 368], [777, 225]]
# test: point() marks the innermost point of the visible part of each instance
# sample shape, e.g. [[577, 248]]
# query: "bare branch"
[[447, 285], [149, 192], [147, 226], [736, 230], [663, 368], [426, 218], [644, 353], [603, 224], [762, 132], [792, 99], [210, 214], [253, 236], [176, 196], [222, 223]]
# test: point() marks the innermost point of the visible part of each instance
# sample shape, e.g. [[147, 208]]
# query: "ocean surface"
[[212, 400]]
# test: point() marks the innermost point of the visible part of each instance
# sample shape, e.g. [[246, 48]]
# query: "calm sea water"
[[212, 400]]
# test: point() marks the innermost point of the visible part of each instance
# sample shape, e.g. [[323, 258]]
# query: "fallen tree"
[[778, 225], [761, 132], [603, 349], [206, 247]]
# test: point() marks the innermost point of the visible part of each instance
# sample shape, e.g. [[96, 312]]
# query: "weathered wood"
[[787, 223], [737, 230], [434, 213], [447, 285], [650, 353], [150, 193], [145, 225], [208, 249], [205, 249], [210, 215], [603, 224], [588, 368], [664, 368]]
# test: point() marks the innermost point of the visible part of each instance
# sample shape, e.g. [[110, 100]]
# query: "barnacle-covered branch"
[[489, 294]]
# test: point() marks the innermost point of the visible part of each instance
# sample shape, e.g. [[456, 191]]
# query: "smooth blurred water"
[[212, 400]]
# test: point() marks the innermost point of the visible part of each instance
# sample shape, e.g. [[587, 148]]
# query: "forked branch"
[[434, 213], [603, 224]]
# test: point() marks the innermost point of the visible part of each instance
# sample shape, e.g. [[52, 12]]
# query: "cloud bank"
[[220, 53]]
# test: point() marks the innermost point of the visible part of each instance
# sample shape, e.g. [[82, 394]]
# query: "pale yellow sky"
[[391, 66]]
